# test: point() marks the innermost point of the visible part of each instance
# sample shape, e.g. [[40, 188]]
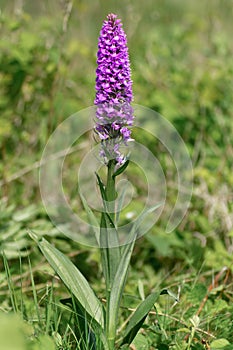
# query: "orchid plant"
[[97, 322]]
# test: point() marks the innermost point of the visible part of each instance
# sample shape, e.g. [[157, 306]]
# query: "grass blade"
[[82, 329], [13, 296]]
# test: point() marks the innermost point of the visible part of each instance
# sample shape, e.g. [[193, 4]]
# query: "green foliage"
[[220, 344], [181, 54], [15, 335], [87, 307], [74, 281], [138, 317]]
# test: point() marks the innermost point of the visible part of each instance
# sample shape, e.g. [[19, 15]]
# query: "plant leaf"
[[140, 219], [219, 344], [109, 248], [102, 189], [74, 281], [138, 317], [121, 274], [171, 294], [91, 217], [118, 286], [121, 169], [120, 200]]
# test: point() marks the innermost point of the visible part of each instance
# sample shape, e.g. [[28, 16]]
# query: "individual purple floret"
[[114, 114]]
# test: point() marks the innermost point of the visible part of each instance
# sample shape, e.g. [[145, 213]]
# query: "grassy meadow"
[[181, 62]]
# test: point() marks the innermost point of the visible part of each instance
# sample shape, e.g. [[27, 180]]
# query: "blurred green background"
[[182, 67]]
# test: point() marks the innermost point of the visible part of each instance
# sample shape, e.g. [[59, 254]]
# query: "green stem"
[[110, 190], [111, 196]]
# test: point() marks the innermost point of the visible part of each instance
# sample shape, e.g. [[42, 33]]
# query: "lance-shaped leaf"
[[109, 248], [102, 188], [118, 287], [121, 274], [138, 318], [120, 200], [91, 218], [140, 219], [119, 281], [74, 281], [121, 169]]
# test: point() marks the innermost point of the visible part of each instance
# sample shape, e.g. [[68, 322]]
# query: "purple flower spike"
[[114, 113]]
